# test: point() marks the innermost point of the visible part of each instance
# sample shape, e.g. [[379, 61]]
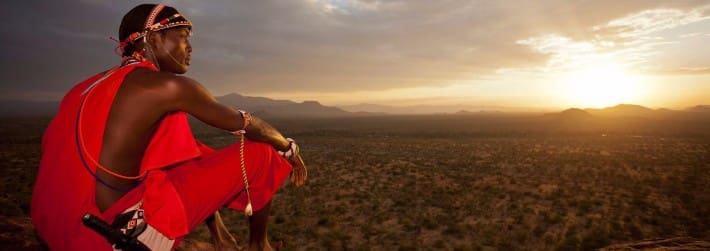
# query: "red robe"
[[187, 181]]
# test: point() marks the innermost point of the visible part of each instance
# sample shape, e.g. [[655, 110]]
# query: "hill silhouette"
[[699, 108], [267, 107], [572, 114], [28, 108], [260, 106], [420, 109], [622, 110]]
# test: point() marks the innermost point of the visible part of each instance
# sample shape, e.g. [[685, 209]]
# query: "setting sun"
[[599, 85]]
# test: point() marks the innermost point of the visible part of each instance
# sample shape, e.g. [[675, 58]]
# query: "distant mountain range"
[[699, 108], [625, 116], [629, 111], [259, 106], [422, 109], [266, 107], [28, 108]]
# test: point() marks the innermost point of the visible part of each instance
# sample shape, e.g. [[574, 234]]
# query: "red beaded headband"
[[151, 26]]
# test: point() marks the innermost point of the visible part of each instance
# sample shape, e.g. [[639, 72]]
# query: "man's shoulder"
[[167, 86], [144, 76], [154, 80]]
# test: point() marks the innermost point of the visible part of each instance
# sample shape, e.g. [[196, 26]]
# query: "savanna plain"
[[452, 182]]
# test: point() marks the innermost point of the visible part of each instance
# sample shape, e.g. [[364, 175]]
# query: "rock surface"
[[17, 233]]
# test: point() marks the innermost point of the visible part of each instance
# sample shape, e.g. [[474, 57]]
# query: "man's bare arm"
[[189, 96]]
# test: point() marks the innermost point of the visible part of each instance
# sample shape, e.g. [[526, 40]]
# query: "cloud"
[[680, 71], [651, 21], [400, 44], [688, 35], [339, 46], [629, 40], [346, 7]]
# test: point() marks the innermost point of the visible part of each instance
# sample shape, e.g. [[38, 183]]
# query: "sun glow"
[[600, 85]]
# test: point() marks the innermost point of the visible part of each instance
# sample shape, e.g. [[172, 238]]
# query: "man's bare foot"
[[228, 243], [221, 237], [269, 246]]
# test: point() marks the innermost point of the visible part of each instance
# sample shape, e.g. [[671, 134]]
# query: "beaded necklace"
[[81, 147], [247, 120]]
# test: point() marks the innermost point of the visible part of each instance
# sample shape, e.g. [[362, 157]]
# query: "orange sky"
[[648, 55], [536, 54]]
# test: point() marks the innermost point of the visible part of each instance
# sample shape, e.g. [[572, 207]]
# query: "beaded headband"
[[152, 26]]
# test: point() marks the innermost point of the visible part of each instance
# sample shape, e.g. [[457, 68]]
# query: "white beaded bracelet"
[[292, 150], [247, 120]]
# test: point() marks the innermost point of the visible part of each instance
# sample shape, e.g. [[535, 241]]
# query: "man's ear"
[[154, 39]]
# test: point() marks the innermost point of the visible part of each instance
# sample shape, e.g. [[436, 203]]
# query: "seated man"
[[121, 148]]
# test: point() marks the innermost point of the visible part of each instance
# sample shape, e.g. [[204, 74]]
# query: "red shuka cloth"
[[187, 181]]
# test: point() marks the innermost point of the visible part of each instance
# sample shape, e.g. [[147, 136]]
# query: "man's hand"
[[299, 174]]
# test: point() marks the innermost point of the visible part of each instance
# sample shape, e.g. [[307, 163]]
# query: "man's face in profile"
[[176, 49]]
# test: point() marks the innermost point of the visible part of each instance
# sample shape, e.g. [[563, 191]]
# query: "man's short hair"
[[134, 21]]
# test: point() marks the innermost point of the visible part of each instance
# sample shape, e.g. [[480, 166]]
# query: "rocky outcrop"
[[17, 233]]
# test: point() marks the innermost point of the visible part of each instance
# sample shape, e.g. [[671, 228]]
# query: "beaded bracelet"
[[292, 150], [247, 120]]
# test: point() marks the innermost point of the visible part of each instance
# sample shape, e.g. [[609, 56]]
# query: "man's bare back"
[[137, 109]]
